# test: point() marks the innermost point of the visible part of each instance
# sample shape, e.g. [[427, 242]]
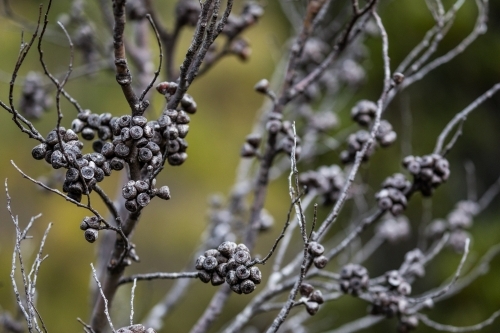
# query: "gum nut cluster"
[[313, 298], [327, 181], [83, 171], [462, 216], [354, 279], [34, 98], [385, 135], [414, 263], [355, 143], [390, 304], [397, 283], [251, 145], [138, 328], [392, 195], [316, 250], [276, 126], [230, 263], [364, 112], [90, 225], [137, 194], [429, 171], [394, 230]]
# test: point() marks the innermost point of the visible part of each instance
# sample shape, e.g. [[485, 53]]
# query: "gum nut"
[[312, 308], [204, 276], [247, 286], [163, 193], [306, 289], [210, 263]]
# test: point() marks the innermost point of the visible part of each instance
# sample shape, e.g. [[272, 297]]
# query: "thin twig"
[[158, 276], [106, 310]]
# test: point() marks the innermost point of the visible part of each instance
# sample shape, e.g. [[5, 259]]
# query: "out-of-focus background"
[[169, 231]]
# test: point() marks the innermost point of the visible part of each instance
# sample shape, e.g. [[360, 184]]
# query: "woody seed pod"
[[210, 263], [163, 193], [312, 308], [242, 272], [204, 276], [236, 288], [117, 163], [88, 133], [131, 205], [241, 257], [306, 289], [247, 286], [139, 121], [320, 262], [91, 235], [315, 249], [136, 132], [39, 151], [143, 199], [217, 280], [255, 274], [199, 262]]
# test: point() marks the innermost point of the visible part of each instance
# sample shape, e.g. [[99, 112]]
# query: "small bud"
[[262, 86], [306, 289], [398, 78], [163, 193]]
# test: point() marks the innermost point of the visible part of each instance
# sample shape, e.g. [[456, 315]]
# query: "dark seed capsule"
[[255, 274], [316, 249], [164, 121], [306, 289], [320, 262], [88, 133], [182, 118], [211, 252], [172, 114], [72, 174], [94, 120], [143, 199], [77, 125], [97, 146], [98, 174], [236, 288], [39, 151], [141, 186], [87, 172], [91, 235], [76, 188], [106, 168], [210, 263], [106, 118], [124, 121], [241, 257], [312, 308], [136, 132], [221, 269], [122, 150], [104, 133], [75, 196], [145, 155], [199, 262], [242, 247], [204, 276], [242, 272], [125, 134], [227, 248], [70, 135], [317, 296], [217, 280], [117, 163], [231, 278], [108, 150], [183, 130], [139, 121], [171, 133], [247, 286], [129, 192], [163, 193], [131, 205], [155, 149]]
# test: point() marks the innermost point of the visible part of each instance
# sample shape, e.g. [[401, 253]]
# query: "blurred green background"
[[170, 231]]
